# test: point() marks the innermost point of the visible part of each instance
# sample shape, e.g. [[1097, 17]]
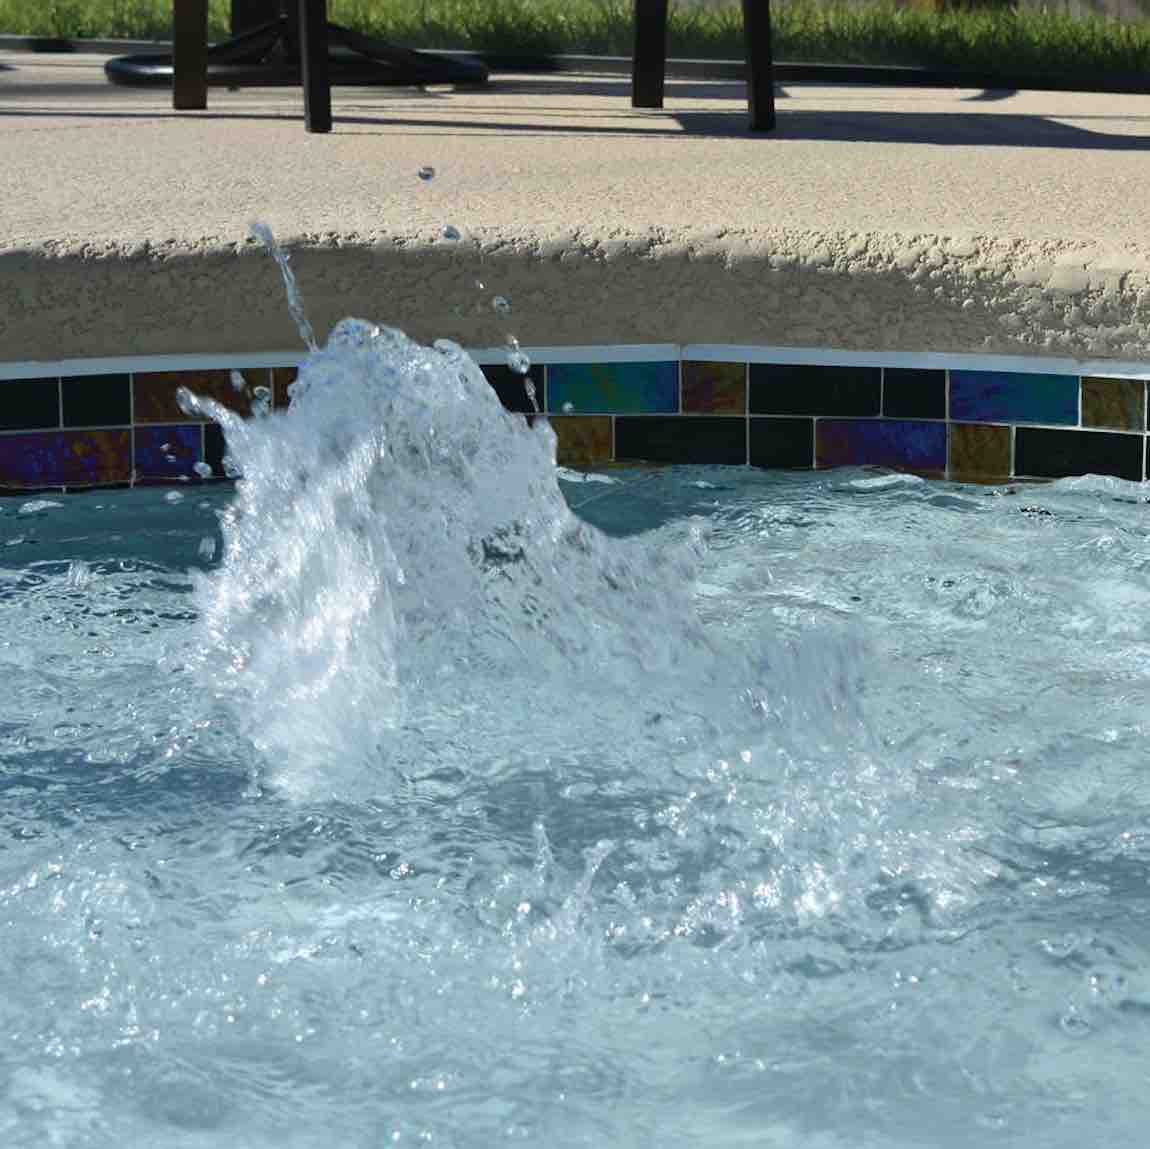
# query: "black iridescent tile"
[[681, 439], [803, 389], [215, 448], [97, 401], [1041, 453], [913, 393], [782, 443], [29, 404], [512, 390]]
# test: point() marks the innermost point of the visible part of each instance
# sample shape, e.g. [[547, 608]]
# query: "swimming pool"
[[415, 791]]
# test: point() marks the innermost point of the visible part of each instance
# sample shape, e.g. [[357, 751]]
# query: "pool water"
[[415, 791]]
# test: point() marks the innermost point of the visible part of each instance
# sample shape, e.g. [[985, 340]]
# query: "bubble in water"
[[501, 304], [173, 497], [568, 407], [450, 232], [204, 470], [426, 173], [166, 448], [169, 458]]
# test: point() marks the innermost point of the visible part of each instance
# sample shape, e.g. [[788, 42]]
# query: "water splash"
[[395, 528], [263, 233]]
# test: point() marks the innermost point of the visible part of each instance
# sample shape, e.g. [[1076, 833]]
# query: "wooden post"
[[313, 49], [190, 55], [649, 63], [760, 66]]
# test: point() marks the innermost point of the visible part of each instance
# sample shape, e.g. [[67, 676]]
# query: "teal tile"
[[1013, 397], [612, 388]]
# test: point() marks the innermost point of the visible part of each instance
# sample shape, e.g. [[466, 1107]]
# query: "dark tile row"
[[113, 428], [962, 450], [692, 388]]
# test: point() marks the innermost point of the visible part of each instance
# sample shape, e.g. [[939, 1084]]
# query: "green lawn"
[[878, 34]]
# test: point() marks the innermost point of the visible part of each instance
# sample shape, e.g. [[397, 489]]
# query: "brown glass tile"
[[1118, 403], [154, 393], [583, 439], [282, 378], [979, 450], [714, 388]]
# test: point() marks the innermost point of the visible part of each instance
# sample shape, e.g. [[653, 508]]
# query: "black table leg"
[[190, 55], [760, 67], [249, 14], [316, 81], [649, 63], [268, 54]]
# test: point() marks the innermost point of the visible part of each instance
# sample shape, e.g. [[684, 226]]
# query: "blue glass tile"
[[613, 388], [59, 458], [881, 443], [167, 452], [1012, 397]]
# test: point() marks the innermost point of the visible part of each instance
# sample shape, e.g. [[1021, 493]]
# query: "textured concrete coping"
[[873, 219]]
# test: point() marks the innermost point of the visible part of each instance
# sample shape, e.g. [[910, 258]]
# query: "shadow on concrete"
[[457, 113], [939, 128]]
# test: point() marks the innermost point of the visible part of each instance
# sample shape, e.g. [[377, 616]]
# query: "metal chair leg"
[[316, 78], [760, 66], [649, 63], [190, 55]]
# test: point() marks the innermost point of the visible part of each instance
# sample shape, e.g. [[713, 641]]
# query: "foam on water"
[[388, 800]]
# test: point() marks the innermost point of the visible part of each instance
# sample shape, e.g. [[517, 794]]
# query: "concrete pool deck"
[[873, 219]]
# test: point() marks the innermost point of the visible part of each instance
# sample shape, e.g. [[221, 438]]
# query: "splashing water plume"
[[387, 800]]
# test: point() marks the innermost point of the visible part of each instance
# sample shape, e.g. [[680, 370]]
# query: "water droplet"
[[480, 285], [166, 447], [568, 407], [238, 381], [501, 304], [173, 497], [202, 469], [519, 362], [426, 173], [450, 232], [169, 458]]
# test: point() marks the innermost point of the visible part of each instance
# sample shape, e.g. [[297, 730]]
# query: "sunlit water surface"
[[413, 791]]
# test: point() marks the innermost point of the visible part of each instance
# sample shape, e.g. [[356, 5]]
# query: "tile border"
[[636, 405]]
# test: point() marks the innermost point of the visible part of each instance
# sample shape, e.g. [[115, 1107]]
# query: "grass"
[[990, 38]]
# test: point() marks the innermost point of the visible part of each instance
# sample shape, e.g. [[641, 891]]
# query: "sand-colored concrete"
[[878, 219]]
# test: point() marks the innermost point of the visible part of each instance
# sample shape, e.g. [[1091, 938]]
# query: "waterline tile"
[[899, 444], [613, 388], [1009, 397]]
